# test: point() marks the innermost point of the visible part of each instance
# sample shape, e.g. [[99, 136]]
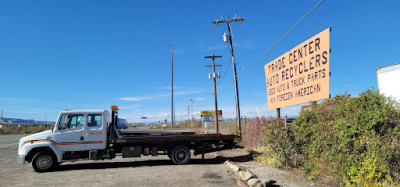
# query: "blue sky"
[[58, 55]]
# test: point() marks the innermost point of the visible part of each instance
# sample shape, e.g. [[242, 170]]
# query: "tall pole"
[[174, 114], [228, 21], [2, 121], [236, 82], [189, 117], [215, 90], [172, 85], [191, 102]]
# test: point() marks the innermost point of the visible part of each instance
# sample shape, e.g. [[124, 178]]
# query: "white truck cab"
[[75, 132]]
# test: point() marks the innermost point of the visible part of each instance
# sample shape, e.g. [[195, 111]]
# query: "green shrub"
[[355, 139], [280, 140]]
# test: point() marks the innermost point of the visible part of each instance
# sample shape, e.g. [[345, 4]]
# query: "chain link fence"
[[225, 126]]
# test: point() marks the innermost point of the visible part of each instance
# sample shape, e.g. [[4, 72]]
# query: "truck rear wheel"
[[43, 161], [180, 155]]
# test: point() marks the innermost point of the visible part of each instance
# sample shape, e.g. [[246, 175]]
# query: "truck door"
[[69, 134], [95, 136]]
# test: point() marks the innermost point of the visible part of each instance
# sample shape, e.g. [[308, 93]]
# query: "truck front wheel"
[[43, 161], [180, 155]]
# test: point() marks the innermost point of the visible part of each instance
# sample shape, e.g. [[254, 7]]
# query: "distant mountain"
[[16, 120]]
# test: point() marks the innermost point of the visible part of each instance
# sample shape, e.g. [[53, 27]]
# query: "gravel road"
[[7, 141], [144, 171]]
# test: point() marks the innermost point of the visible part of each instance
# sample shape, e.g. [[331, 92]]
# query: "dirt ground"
[[144, 171], [271, 175]]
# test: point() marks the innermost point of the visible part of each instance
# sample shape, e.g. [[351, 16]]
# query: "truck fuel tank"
[[131, 151]]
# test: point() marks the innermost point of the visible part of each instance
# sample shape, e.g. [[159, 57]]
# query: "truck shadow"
[[131, 164]]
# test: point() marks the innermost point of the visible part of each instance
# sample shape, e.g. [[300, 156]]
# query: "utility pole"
[[45, 119], [215, 88], [189, 117], [191, 101], [228, 21], [2, 120], [172, 85]]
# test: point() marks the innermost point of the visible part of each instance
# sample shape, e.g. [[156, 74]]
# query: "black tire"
[[43, 162], [180, 155]]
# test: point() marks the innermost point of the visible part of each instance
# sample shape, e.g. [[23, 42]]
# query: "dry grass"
[[23, 130]]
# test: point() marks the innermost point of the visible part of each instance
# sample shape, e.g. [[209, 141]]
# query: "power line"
[[226, 70], [286, 34], [225, 85]]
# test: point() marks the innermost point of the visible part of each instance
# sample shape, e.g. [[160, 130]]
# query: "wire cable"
[[226, 70], [285, 35]]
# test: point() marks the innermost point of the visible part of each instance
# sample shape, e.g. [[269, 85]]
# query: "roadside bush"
[[271, 141], [279, 139], [23, 130], [353, 139]]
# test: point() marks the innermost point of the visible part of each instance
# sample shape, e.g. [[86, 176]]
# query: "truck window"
[[75, 121], [70, 121], [94, 120]]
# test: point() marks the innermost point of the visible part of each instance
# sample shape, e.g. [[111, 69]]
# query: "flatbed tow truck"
[[94, 135]]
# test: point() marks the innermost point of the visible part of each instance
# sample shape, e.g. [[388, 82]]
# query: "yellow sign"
[[208, 113], [300, 75]]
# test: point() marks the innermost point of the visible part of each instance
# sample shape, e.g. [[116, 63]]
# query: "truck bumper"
[[21, 159]]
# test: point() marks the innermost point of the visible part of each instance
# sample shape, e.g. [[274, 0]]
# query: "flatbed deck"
[[157, 136], [177, 138], [166, 137], [155, 133]]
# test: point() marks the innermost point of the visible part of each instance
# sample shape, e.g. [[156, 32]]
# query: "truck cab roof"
[[83, 111]]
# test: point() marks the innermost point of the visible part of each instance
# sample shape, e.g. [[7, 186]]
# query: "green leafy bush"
[[279, 138], [353, 139]]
